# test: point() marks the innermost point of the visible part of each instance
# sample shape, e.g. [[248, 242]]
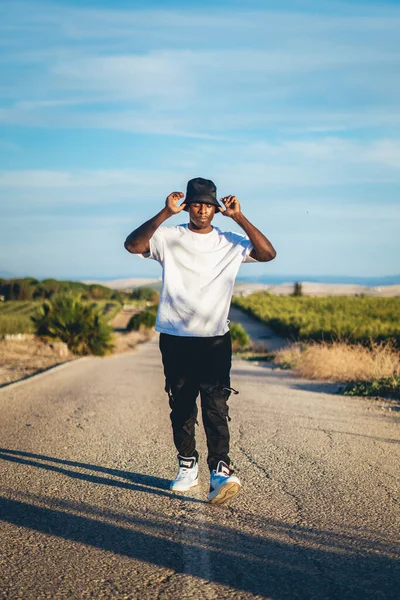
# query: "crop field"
[[15, 314], [350, 319]]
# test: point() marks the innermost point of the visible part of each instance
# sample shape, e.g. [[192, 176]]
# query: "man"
[[200, 264]]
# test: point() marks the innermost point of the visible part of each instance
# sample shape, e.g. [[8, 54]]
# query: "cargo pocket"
[[220, 393], [227, 390]]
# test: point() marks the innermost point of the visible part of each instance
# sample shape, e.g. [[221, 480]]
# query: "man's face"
[[201, 214]]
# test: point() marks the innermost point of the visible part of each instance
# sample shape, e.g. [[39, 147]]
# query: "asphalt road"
[[85, 509]]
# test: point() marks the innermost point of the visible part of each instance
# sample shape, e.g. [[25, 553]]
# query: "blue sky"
[[106, 107]]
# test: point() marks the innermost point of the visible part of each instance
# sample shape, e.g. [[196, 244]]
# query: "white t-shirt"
[[199, 271]]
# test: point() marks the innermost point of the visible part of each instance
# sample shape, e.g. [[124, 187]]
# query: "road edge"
[[59, 366], [12, 384]]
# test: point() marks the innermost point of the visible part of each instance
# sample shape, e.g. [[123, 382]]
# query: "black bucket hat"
[[202, 191]]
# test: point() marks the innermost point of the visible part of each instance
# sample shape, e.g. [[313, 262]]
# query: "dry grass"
[[340, 361], [20, 358], [126, 341]]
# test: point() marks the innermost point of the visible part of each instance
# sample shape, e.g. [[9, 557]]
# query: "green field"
[[351, 318], [15, 314]]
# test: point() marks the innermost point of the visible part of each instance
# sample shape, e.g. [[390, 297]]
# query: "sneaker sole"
[[226, 493], [186, 489]]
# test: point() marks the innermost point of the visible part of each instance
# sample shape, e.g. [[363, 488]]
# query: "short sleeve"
[[156, 246], [244, 245], [247, 248]]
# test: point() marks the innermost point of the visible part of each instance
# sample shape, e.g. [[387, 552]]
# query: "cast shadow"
[[318, 387], [140, 481], [275, 560], [256, 555]]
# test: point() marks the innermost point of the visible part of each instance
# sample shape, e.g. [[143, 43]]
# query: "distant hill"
[[271, 280], [128, 283], [122, 283], [243, 288], [331, 279], [247, 286]]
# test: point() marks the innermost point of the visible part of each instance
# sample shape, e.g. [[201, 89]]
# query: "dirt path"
[[86, 511], [261, 335], [121, 320]]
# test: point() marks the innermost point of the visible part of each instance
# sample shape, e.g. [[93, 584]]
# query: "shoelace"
[[182, 472]]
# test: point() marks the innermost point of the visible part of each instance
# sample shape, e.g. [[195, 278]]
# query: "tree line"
[[29, 288]]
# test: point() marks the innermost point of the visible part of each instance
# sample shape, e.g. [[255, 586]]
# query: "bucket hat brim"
[[202, 199]]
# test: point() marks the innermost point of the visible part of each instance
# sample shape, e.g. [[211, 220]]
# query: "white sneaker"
[[223, 485], [187, 475]]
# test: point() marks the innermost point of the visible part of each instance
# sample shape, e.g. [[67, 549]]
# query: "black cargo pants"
[[193, 365]]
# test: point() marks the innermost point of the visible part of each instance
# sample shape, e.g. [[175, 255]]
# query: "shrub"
[[240, 337], [17, 289], [145, 318], [145, 293], [79, 324], [118, 296], [99, 292], [297, 289], [384, 388]]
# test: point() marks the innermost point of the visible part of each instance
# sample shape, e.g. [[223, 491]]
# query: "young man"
[[200, 263]]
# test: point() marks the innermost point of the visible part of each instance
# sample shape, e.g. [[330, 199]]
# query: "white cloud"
[[379, 152], [164, 72], [329, 161], [386, 152], [80, 179], [296, 112], [156, 77]]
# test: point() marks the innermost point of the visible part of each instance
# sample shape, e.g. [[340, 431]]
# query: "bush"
[[17, 289], [145, 318], [297, 289], [382, 388], [240, 337], [99, 292], [79, 324], [145, 293]]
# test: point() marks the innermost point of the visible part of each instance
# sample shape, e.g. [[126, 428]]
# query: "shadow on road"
[[262, 556], [319, 387], [142, 482]]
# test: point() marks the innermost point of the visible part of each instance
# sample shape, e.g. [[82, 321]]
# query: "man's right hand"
[[138, 242], [172, 203]]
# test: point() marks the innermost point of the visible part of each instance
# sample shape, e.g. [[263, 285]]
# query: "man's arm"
[[263, 250], [138, 242]]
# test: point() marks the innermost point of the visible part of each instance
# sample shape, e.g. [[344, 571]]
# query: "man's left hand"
[[232, 206]]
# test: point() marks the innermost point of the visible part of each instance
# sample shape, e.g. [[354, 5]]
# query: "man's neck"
[[196, 229]]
